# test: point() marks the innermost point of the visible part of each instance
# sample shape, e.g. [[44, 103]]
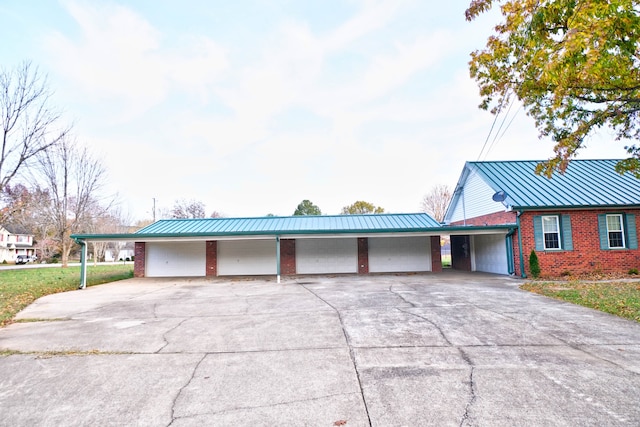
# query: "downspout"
[[278, 259], [83, 264], [522, 273], [509, 243]]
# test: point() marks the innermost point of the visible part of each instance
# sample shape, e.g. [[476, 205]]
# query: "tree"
[[307, 208], [188, 209], [435, 203], [361, 207], [74, 180], [29, 124], [574, 65]]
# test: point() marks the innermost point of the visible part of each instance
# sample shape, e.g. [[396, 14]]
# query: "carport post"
[[83, 264], [278, 259]]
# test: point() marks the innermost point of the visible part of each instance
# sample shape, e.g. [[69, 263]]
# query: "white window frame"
[[557, 231], [621, 230]]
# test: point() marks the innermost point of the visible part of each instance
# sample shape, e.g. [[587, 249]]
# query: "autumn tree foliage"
[[361, 207], [574, 65]]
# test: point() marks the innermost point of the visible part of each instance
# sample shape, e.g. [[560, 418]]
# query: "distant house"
[[14, 241], [578, 222]]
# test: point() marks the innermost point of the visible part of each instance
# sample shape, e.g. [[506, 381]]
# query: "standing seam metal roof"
[[295, 224], [585, 183]]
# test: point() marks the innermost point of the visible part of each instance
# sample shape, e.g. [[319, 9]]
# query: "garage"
[[179, 259], [399, 254], [246, 257], [489, 253], [327, 255]]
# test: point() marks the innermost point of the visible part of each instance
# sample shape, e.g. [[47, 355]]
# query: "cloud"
[[121, 57]]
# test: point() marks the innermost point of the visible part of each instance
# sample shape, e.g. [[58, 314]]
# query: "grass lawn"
[[20, 287], [616, 297]]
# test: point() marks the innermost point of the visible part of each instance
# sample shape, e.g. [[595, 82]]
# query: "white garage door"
[[175, 259], [399, 254], [320, 256], [246, 257], [490, 253]]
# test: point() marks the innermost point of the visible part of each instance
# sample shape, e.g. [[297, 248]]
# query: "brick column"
[[211, 258], [287, 256], [139, 262], [436, 254], [363, 255]]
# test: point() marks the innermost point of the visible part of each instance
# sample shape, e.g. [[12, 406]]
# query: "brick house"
[[578, 222], [15, 241]]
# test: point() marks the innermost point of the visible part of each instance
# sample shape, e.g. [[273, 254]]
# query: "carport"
[[488, 249], [358, 244]]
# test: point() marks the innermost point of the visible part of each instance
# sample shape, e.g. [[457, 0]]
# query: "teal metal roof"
[[275, 226], [586, 183], [322, 224]]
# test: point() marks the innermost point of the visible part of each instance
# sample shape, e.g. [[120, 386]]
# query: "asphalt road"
[[390, 350]]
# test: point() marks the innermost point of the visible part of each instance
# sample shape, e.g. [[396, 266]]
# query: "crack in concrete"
[[175, 399], [164, 335], [272, 405], [466, 416], [351, 353], [399, 295], [565, 343]]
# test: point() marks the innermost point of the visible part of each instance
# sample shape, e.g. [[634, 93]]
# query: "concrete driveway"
[[392, 350]]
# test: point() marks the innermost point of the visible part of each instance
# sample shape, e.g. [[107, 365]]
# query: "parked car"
[[23, 259]]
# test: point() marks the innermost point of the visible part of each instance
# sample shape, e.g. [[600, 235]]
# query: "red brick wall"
[[140, 259], [436, 254], [211, 258], [497, 218], [586, 256], [363, 255], [287, 256]]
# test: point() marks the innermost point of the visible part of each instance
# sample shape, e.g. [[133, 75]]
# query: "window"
[[615, 231], [551, 232]]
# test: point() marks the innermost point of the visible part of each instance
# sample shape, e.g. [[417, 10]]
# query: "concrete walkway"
[[392, 350]]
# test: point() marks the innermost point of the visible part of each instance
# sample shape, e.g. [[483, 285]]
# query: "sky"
[[251, 107]]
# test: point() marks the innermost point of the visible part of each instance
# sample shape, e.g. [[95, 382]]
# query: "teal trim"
[[630, 227], [521, 256], [510, 264], [567, 238], [537, 233], [278, 255], [602, 231]]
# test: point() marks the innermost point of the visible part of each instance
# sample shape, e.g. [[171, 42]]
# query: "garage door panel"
[[490, 253], [321, 256], [175, 259], [247, 257], [399, 254]]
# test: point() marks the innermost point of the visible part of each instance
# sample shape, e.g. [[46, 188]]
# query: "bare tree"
[[188, 209], [29, 124], [435, 203], [74, 179]]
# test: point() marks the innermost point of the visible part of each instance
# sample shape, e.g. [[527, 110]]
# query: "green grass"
[[618, 298], [20, 287]]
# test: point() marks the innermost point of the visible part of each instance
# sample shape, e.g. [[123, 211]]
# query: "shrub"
[[633, 271], [534, 266]]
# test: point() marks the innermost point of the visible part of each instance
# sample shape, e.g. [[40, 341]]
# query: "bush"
[[534, 266], [633, 271]]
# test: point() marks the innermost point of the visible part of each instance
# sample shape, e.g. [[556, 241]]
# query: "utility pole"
[[154, 209]]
